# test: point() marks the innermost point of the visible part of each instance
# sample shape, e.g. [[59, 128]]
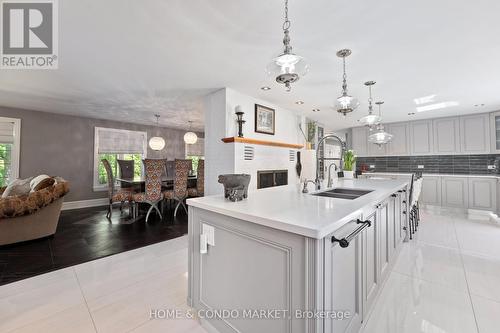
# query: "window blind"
[[110, 140], [6, 132], [197, 149]]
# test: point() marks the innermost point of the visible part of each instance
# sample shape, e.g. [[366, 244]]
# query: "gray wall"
[[63, 146]]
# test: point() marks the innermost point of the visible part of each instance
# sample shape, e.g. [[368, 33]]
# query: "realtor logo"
[[29, 34]]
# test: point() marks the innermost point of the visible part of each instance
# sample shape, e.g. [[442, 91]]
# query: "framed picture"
[[264, 119]]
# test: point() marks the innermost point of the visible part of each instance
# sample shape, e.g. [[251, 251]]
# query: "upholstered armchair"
[[152, 195], [179, 192], [115, 195]]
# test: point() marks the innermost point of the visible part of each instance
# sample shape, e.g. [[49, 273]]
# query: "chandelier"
[[345, 103], [371, 119], [190, 137], [157, 142], [288, 67], [380, 136]]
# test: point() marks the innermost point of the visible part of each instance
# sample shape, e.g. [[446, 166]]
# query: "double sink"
[[342, 193]]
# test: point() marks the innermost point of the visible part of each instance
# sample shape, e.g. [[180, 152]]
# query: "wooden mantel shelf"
[[262, 142]]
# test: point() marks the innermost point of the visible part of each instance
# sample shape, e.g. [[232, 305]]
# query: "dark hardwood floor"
[[83, 235]]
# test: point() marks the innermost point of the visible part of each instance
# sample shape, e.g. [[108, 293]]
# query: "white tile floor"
[[447, 280]]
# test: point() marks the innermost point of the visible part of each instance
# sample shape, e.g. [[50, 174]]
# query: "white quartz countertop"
[[287, 208]]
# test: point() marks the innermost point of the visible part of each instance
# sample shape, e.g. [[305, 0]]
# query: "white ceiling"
[[127, 60]]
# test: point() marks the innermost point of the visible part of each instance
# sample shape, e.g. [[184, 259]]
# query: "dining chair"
[[115, 195], [126, 171], [199, 190], [152, 194], [179, 192]]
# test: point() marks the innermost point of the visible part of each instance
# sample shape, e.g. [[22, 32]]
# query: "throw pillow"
[[37, 180], [46, 182], [18, 187]]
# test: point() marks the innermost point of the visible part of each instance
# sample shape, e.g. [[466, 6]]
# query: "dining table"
[[166, 181]]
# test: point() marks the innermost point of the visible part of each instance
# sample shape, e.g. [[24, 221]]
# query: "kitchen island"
[[286, 261]]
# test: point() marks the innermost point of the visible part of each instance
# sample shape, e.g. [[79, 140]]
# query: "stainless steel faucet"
[[330, 181], [305, 190], [341, 159]]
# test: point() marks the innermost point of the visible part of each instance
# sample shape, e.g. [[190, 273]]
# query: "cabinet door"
[[495, 132], [371, 277], [399, 146], [391, 226], [421, 137], [431, 191], [475, 134], [455, 192], [446, 135], [343, 276], [360, 141], [482, 193], [382, 219]]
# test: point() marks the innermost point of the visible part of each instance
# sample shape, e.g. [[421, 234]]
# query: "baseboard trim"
[[85, 203]]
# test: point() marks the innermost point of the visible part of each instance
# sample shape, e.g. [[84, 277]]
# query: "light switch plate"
[[372, 166], [203, 244], [209, 231], [420, 166]]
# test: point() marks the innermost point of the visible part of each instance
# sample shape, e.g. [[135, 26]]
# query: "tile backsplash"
[[450, 164]]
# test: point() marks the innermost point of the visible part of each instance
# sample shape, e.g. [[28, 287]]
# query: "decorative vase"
[[348, 174], [298, 166]]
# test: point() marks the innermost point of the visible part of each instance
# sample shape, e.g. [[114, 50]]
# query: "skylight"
[[437, 106]]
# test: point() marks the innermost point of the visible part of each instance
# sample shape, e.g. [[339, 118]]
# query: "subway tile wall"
[[446, 164]]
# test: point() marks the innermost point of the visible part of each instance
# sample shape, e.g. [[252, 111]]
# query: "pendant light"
[[345, 103], [157, 142], [288, 67], [371, 119], [380, 136], [190, 137]]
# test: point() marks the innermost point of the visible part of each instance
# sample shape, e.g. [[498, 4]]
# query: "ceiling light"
[[478, 105], [190, 138], [437, 106], [424, 100], [411, 113], [299, 102], [380, 137], [288, 67], [265, 88], [316, 110], [370, 119], [345, 103], [157, 142]]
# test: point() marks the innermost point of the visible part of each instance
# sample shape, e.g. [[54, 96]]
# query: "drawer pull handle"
[[344, 242]]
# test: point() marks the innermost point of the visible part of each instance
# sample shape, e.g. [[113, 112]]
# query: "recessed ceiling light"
[[299, 102], [424, 100], [411, 113], [316, 110], [265, 88], [437, 106], [479, 105]]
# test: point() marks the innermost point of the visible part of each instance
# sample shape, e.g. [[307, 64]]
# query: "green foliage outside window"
[[112, 158], [195, 160], [5, 158]]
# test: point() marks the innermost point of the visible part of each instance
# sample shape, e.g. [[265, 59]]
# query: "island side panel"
[[254, 267]]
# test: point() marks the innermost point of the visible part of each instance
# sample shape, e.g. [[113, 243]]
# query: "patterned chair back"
[[109, 174], [181, 171], [200, 182], [154, 169]]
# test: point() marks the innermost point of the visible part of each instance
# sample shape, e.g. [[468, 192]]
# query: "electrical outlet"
[[420, 166], [372, 166], [491, 167]]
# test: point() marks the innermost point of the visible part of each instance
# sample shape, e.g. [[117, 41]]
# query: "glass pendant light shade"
[[157, 143], [288, 67], [345, 103], [380, 137], [190, 138], [370, 119]]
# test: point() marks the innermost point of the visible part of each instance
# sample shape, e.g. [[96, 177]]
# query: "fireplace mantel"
[[262, 142]]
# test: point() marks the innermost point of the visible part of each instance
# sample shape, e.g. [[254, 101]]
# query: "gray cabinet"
[[382, 219], [431, 190], [475, 134], [400, 145], [455, 192], [343, 278], [446, 135], [360, 141], [371, 274], [495, 132], [483, 193], [391, 226], [421, 137]]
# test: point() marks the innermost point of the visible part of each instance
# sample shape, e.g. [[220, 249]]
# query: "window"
[[195, 152], [117, 144], [10, 135]]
